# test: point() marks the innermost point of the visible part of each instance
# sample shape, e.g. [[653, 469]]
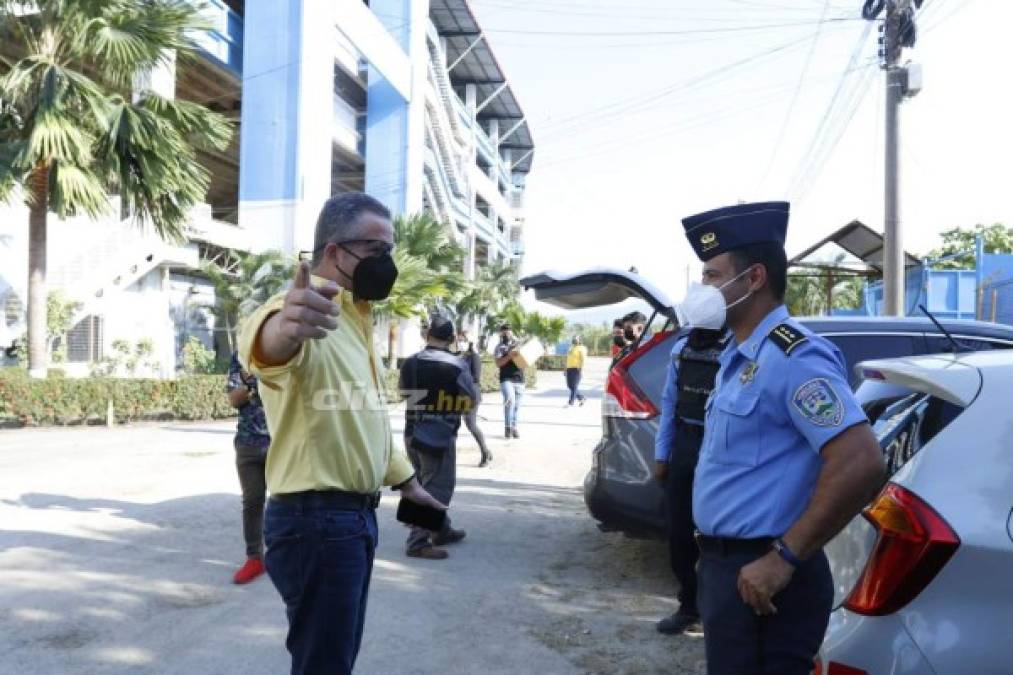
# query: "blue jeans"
[[513, 392], [320, 559]]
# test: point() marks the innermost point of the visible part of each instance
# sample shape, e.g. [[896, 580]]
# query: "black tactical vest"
[[698, 368]]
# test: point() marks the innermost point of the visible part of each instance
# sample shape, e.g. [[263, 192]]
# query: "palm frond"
[[74, 190], [204, 129]]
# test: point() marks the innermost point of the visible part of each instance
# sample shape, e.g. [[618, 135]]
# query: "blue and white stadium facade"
[[401, 98]]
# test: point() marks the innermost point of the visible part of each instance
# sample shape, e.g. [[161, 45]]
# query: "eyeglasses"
[[372, 247]]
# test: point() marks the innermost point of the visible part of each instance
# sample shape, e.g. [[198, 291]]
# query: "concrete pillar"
[[444, 45], [395, 127], [288, 109], [471, 98], [494, 132]]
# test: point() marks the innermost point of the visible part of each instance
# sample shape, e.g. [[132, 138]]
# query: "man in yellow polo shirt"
[[321, 385]]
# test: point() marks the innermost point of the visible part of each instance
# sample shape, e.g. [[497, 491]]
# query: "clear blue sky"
[[645, 111]]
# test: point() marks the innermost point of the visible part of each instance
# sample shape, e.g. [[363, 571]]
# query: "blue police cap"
[[721, 230]]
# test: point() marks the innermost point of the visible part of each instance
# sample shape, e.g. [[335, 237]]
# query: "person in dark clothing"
[[690, 380], [634, 327], [511, 379], [251, 442], [466, 350], [440, 389], [618, 339]]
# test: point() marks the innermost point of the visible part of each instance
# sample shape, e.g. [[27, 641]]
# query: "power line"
[[690, 31], [806, 162], [794, 97], [620, 107]]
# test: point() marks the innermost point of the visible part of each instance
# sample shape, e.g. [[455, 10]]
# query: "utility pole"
[[898, 32], [893, 254]]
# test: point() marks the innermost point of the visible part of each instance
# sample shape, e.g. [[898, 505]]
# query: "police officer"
[[440, 390], [788, 457], [690, 380]]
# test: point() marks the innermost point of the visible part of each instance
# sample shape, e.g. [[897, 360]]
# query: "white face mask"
[[704, 306]]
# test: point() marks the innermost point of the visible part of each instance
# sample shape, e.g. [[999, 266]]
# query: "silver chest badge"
[[749, 372]]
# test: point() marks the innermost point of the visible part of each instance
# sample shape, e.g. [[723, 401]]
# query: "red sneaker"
[[252, 569]]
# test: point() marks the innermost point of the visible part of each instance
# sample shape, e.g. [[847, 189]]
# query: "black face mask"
[[619, 340], [629, 335], [374, 276]]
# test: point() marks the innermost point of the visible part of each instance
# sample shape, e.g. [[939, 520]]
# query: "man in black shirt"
[[466, 350], [439, 389], [511, 379]]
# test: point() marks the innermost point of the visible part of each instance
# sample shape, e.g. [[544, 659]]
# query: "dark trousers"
[[573, 376], [320, 558], [683, 553], [437, 473], [738, 642], [250, 463], [471, 421]]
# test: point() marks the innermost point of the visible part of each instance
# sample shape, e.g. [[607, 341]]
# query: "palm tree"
[[493, 289], [71, 132], [244, 285], [806, 294]]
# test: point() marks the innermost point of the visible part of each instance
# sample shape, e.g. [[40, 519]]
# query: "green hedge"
[[552, 362], [489, 384], [63, 401]]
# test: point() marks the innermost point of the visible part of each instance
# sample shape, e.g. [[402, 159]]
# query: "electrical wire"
[[689, 31], [806, 164], [794, 99], [619, 108]]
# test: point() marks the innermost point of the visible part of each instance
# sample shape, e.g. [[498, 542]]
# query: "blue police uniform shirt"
[[769, 417], [664, 440]]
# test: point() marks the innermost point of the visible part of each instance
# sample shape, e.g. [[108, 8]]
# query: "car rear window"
[[858, 348], [904, 423]]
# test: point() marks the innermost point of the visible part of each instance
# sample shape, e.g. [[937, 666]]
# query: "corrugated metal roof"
[[455, 22]]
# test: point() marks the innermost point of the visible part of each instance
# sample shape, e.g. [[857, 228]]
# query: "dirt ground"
[[117, 548]]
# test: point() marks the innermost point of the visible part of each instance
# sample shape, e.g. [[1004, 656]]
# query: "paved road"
[[117, 548]]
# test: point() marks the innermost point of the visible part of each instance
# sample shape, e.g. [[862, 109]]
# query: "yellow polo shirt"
[[576, 357], [325, 408]]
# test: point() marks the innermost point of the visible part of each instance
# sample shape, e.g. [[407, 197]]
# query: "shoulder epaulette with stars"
[[787, 338]]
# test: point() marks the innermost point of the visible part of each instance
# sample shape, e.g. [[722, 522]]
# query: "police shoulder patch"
[[817, 401], [787, 337]]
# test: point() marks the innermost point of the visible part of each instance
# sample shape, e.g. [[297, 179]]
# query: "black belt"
[[330, 499], [722, 546]]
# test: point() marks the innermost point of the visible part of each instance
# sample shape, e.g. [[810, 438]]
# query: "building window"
[[84, 341]]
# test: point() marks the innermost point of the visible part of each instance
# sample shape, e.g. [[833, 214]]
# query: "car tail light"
[[913, 545], [623, 397]]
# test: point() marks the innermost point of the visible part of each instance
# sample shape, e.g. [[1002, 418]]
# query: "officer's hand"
[[309, 311], [661, 471], [415, 492], [761, 580]]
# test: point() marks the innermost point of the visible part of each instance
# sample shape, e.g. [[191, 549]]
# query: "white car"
[[925, 576]]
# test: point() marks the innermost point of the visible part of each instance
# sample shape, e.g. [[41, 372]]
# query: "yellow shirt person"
[[575, 360], [325, 407], [576, 357], [321, 384]]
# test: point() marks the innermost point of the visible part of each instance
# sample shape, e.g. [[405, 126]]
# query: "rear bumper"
[[620, 501], [875, 644]]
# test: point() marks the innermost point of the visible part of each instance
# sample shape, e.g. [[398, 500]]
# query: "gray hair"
[[339, 219]]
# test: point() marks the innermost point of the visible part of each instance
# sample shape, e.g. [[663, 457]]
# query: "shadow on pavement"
[[108, 586]]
